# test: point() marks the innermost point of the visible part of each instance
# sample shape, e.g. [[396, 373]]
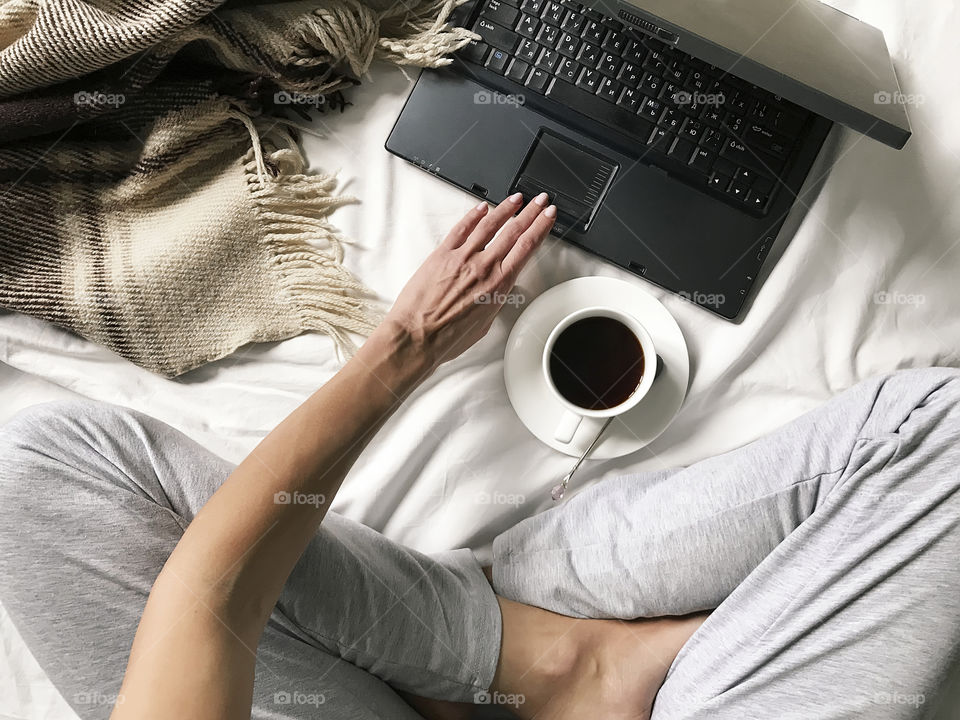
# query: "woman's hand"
[[451, 301]]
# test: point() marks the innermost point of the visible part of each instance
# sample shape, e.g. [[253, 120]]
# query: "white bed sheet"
[[883, 222]]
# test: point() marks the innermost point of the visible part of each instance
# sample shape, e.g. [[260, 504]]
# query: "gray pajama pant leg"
[[95, 497], [831, 550]]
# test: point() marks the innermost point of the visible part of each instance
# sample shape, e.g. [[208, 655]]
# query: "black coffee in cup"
[[596, 363]]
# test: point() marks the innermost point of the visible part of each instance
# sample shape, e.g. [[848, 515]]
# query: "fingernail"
[[551, 211], [516, 197], [481, 206], [541, 199]]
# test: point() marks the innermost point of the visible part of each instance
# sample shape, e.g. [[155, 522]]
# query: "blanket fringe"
[[292, 210], [353, 33]]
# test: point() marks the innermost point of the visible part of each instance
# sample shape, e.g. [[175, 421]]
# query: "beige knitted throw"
[[153, 197]]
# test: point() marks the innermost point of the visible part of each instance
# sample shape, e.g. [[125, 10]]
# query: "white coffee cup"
[[573, 414]]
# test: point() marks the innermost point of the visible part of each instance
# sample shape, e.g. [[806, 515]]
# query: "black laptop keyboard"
[[713, 129]]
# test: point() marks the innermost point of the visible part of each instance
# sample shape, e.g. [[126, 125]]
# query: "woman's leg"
[[95, 497], [829, 548]]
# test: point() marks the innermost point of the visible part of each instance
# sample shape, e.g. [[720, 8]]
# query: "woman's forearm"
[[211, 602], [245, 541]]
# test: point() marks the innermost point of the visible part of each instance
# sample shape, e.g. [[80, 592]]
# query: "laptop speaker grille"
[[649, 27]]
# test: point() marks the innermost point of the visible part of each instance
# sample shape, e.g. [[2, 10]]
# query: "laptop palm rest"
[[575, 178]]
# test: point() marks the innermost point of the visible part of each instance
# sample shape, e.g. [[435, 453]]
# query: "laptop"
[[674, 136]]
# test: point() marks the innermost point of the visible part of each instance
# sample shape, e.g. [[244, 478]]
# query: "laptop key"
[[496, 35], [528, 26], [548, 35], [553, 13], [738, 103], [712, 117], [498, 61], [593, 32], [518, 70], [660, 140], [532, 7], [745, 175], [500, 12], [609, 89], [568, 70], [573, 22], [589, 80], [475, 52], [630, 99], [609, 64], [538, 80], [528, 50], [568, 45], [692, 130], [655, 63], [589, 55], [712, 139], [702, 160], [593, 107], [738, 190], [629, 75], [671, 120], [681, 150], [697, 82], [737, 152], [676, 71], [719, 181], [635, 53], [615, 42], [651, 109], [787, 123], [548, 60], [759, 137], [651, 84]]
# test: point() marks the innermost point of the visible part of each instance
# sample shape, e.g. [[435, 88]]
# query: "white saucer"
[[539, 409]]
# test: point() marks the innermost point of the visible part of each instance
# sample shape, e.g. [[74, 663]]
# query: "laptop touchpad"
[[575, 178]]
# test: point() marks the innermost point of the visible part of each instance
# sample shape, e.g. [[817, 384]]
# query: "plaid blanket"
[[154, 198]]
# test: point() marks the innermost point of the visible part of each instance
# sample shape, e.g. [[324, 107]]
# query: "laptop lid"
[[803, 50]]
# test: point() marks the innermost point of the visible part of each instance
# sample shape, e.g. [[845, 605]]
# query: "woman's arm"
[[195, 649]]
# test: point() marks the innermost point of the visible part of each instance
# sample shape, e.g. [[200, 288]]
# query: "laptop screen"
[[806, 51]]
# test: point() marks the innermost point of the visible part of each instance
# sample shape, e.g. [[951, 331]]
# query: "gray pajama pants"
[[831, 550]]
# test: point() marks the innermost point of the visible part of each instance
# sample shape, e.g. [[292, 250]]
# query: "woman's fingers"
[[493, 221], [516, 227], [526, 244], [461, 231]]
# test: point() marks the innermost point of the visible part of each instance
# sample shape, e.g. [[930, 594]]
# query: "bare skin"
[[194, 652], [570, 668]]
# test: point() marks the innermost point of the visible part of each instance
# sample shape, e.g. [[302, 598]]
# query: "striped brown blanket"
[[153, 196]]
